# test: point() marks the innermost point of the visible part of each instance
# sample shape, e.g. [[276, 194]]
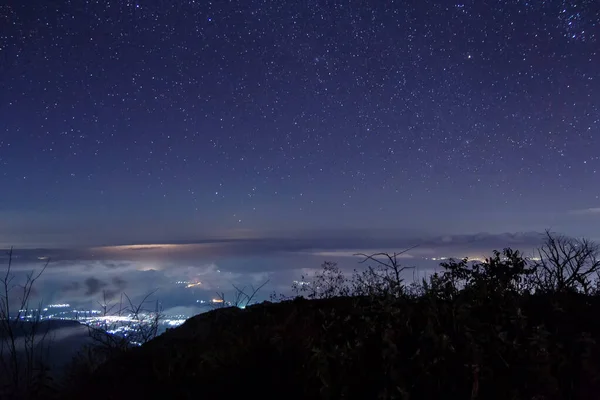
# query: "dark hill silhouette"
[[535, 346]]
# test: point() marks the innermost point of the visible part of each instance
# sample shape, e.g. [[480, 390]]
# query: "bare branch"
[[249, 298], [566, 264]]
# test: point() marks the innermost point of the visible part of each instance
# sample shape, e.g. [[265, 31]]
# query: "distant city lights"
[[189, 284]]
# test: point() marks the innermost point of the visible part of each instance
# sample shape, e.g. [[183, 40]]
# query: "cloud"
[[93, 286], [79, 276], [71, 287], [119, 282], [248, 255], [586, 211]]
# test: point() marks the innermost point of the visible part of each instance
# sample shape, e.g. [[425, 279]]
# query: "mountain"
[[544, 347]]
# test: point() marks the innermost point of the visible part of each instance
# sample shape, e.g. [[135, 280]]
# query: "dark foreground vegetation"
[[503, 328], [543, 348]]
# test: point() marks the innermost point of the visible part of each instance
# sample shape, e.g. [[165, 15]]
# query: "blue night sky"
[[295, 126]]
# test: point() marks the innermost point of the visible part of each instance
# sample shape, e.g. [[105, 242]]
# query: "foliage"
[[384, 278], [327, 283]]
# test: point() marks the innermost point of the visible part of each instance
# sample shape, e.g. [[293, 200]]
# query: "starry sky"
[[157, 121]]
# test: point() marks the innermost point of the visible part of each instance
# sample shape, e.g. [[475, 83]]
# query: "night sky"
[[166, 121]]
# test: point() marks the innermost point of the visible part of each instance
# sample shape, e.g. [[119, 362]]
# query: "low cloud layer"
[[117, 257], [84, 276]]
